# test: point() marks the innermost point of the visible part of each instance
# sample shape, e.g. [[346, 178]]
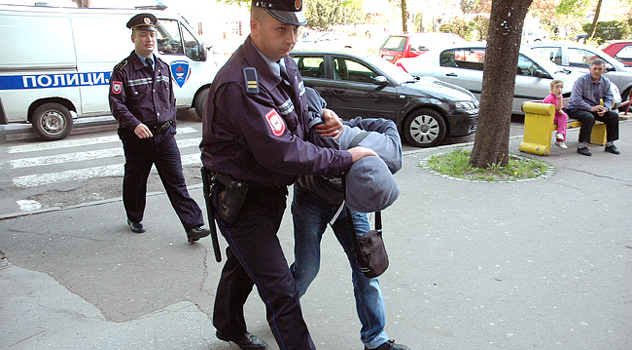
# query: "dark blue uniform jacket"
[[260, 136], [137, 96]]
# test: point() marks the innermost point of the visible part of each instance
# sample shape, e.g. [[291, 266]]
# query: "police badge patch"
[[117, 86], [277, 124], [180, 72]]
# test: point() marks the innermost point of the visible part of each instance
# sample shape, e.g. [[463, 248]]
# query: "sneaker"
[[390, 345], [559, 137], [561, 144]]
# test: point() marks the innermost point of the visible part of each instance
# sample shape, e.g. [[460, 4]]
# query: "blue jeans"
[[311, 217]]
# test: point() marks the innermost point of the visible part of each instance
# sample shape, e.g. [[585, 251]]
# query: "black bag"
[[370, 248]]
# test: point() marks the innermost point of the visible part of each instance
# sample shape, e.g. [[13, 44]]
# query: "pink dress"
[[561, 118]]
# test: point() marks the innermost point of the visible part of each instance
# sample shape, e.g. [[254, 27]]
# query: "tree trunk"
[[404, 16], [491, 143], [593, 28]]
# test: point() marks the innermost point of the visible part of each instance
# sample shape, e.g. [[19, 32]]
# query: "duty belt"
[[159, 129]]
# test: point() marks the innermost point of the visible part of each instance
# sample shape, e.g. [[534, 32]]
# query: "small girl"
[[561, 118]]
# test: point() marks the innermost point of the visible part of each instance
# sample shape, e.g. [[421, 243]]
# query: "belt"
[[159, 129]]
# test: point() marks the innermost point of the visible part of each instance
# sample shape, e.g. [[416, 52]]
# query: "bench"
[[539, 126]]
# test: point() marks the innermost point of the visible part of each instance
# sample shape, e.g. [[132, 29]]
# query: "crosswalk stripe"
[[84, 156], [41, 146], [90, 173]]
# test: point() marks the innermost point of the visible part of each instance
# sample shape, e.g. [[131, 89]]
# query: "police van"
[[56, 63]]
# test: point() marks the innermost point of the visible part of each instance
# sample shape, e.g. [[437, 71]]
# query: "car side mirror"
[[381, 80], [541, 74], [609, 67]]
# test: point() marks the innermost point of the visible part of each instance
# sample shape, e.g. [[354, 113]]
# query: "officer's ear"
[[133, 38]]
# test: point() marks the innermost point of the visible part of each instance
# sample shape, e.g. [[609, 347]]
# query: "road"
[[87, 166]]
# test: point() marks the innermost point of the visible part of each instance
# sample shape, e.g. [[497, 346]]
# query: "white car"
[[577, 57], [462, 65]]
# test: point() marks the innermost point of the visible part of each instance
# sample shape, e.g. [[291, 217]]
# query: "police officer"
[[142, 101], [254, 129]]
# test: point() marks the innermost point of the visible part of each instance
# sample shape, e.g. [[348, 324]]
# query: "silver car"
[[462, 65], [577, 57]]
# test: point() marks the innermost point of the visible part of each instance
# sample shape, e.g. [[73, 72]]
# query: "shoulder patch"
[[252, 81], [121, 64]]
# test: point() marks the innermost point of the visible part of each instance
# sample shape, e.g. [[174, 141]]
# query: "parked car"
[[363, 84], [619, 49], [398, 46], [462, 65], [533, 35], [578, 57]]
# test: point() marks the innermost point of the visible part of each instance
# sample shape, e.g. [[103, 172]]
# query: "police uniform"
[[140, 94], [254, 126]]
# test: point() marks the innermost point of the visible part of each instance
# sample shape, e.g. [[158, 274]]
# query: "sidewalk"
[[541, 264]]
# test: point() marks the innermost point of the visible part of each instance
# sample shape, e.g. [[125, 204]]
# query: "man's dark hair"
[[598, 62]]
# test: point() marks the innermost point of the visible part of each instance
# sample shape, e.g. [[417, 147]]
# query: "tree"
[[491, 143], [321, 14], [593, 28], [83, 3], [404, 16]]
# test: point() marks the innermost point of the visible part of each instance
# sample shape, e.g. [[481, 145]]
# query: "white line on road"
[[41, 146], [88, 173], [83, 156]]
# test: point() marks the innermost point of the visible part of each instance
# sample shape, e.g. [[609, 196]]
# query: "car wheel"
[[200, 100], [424, 128], [52, 121], [624, 97]]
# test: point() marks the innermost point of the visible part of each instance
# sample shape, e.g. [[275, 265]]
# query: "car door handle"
[[451, 75], [339, 91]]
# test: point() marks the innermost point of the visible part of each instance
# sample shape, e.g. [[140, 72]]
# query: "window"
[[465, 58], [313, 67], [580, 58], [346, 69], [191, 45], [625, 54], [554, 54], [394, 43], [168, 37], [526, 66]]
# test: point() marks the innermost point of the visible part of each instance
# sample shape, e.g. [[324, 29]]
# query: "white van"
[[56, 63]]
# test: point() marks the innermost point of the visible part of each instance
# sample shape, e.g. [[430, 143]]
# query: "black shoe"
[[136, 227], [244, 341], [612, 149], [390, 345], [196, 233], [584, 151]]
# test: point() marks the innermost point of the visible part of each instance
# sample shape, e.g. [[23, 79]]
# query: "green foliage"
[[475, 30], [321, 14], [460, 27], [609, 30], [457, 164], [574, 8]]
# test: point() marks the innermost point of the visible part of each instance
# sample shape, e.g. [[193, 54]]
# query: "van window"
[[191, 45], [168, 37]]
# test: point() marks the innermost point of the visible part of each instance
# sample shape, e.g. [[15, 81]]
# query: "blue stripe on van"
[[47, 81]]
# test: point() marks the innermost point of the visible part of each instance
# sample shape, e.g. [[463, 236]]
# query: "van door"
[[186, 55]]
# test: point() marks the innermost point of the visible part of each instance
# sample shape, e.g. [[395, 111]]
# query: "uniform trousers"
[[610, 118], [255, 257], [160, 150]]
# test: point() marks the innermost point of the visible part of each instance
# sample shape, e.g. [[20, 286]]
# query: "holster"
[[231, 198]]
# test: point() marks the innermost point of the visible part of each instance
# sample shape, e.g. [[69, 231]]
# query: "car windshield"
[[392, 71]]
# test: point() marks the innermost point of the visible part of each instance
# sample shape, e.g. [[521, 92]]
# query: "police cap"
[[143, 21], [286, 11]]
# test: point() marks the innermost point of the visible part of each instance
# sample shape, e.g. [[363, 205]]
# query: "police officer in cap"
[[254, 129], [142, 101]]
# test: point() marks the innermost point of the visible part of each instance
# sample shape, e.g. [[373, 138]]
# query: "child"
[[561, 118]]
